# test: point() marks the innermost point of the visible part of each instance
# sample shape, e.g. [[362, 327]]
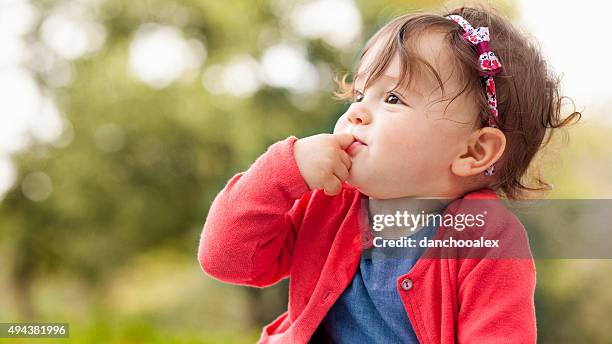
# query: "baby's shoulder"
[[487, 203], [499, 225]]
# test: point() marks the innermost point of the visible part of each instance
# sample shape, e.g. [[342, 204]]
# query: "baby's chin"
[[361, 179], [368, 182], [352, 182], [363, 187], [379, 190]]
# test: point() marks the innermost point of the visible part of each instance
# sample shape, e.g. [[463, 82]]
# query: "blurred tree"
[[143, 156]]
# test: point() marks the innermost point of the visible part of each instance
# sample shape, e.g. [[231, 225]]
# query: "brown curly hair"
[[528, 91]]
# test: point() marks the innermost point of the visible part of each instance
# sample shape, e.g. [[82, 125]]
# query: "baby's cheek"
[[405, 155], [340, 125], [399, 141]]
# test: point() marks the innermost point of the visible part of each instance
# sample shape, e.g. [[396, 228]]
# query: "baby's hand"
[[323, 162]]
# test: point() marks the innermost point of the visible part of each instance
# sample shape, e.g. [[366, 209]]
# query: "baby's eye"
[[391, 98], [357, 96]]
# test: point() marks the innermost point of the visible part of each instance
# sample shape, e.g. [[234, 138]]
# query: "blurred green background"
[[146, 108]]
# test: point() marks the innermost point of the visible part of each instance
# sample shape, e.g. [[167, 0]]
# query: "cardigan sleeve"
[[249, 233], [496, 295]]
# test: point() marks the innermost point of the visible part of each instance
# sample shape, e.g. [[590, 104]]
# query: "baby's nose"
[[358, 115]]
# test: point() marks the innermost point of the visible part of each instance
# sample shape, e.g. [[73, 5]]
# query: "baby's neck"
[[405, 205], [414, 205]]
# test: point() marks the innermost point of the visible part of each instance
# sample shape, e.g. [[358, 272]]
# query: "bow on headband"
[[487, 61]]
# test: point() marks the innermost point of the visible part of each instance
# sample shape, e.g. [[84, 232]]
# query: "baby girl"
[[444, 109]]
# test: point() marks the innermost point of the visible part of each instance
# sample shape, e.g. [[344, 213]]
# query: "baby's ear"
[[483, 148]]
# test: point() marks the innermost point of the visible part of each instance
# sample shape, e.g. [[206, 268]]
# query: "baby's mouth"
[[355, 147]]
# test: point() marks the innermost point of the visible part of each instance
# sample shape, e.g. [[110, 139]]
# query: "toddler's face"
[[409, 142]]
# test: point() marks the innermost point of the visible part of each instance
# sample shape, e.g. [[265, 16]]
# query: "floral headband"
[[489, 66]]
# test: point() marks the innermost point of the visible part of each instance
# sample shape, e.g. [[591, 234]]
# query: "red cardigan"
[[266, 225]]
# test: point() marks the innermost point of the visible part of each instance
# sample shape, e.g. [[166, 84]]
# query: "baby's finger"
[[346, 159], [341, 172], [332, 186], [344, 140]]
